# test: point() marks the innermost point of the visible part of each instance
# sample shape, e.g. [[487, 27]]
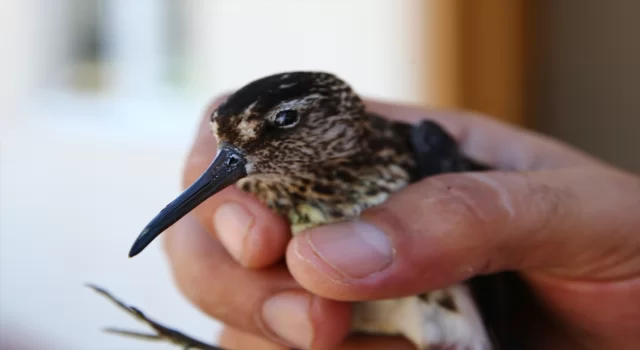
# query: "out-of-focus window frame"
[[106, 47]]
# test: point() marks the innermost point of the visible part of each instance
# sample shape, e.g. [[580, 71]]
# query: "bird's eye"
[[286, 118]]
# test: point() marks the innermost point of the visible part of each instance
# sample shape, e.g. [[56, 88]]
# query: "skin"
[[566, 221]]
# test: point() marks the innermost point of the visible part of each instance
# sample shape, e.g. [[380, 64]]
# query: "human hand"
[[564, 220]]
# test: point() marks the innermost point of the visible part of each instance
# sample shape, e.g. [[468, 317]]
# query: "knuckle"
[[468, 209], [463, 198], [441, 203], [546, 207]]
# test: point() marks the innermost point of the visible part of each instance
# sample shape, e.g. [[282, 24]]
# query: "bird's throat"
[[340, 189]]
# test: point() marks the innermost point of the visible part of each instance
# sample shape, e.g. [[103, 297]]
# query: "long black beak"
[[227, 168]]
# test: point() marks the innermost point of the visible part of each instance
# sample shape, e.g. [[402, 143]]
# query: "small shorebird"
[[304, 144]]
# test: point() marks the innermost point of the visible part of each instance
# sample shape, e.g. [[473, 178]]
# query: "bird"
[[304, 144]]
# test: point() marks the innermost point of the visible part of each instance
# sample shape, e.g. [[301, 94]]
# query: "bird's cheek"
[[250, 167]]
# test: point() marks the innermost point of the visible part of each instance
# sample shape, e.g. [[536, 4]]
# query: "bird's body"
[[340, 188], [304, 144], [357, 160]]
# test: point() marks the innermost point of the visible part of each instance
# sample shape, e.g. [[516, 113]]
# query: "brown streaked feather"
[[337, 162]]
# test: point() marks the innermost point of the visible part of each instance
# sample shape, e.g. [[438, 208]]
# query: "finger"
[[266, 302], [233, 339], [490, 141], [251, 233], [448, 228]]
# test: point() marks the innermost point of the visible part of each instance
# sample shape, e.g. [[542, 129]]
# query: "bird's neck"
[[340, 189], [387, 143]]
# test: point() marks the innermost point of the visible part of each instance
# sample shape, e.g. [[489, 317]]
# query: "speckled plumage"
[[337, 161], [328, 162]]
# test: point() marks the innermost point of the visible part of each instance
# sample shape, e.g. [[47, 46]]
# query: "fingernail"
[[287, 315], [232, 223], [355, 249]]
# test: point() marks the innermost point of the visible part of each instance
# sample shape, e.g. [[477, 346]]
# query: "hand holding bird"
[[557, 216], [586, 301]]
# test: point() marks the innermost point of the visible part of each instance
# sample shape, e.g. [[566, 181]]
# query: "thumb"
[[448, 228]]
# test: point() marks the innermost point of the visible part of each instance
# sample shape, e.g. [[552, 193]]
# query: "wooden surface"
[[483, 52]]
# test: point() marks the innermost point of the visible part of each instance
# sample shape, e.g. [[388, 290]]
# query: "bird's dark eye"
[[286, 118]]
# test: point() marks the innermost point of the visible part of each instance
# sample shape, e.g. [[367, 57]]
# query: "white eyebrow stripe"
[[290, 103], [250, 107], [284, 86], [247, 129], [213, 125]]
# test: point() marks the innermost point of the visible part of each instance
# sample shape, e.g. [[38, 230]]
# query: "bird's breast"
[[307, 200]]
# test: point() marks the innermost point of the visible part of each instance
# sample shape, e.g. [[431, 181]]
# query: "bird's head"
[[278, 124], [286, 121]]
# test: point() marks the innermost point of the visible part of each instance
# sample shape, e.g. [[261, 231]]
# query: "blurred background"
[[99, 100]]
